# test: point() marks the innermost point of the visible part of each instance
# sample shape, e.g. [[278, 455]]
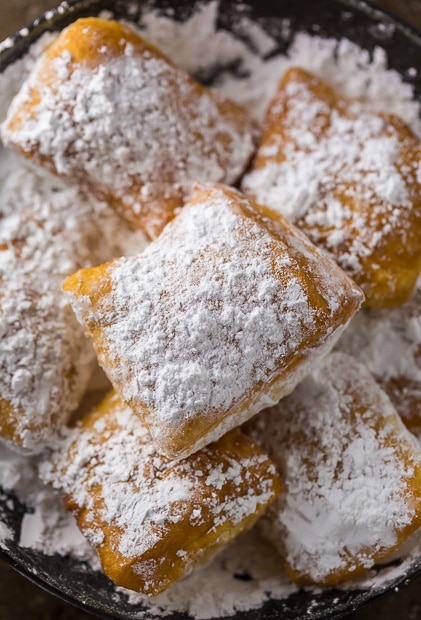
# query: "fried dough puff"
[[48, 230], [352, 474], [105, 108], [219, 317], [347, 177], [151, 520]]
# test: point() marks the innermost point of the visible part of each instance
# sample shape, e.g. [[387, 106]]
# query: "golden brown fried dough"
[[106, 109], [349, 178], [352, 474], [151, 520], [219, 317]]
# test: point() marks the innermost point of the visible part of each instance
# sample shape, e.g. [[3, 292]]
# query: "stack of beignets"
[[227, 311], [348, 177]]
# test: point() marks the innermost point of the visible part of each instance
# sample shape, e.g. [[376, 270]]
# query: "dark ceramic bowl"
[[368, 27]]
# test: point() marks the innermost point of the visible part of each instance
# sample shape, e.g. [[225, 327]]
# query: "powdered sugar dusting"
[[14, 74], [127, 509], [243, 291], [209, 46], [46, 526], [48, 230], [213, 308], [349, 491], [344, 175], [51, 530], [389, 344], [134, 501], [121, 125], [244, 575], [354, 73], [132, 88], [40, 408], [387, 341], [348, 68]]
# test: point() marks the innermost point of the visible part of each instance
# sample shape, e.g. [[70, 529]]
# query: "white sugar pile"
[[198, 45], [349, 69]]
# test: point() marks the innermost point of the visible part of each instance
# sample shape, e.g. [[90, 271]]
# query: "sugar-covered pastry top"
[[351, 469], [225, 302], [148, 511], [45, 360], [347, 176], [48, 229], [105, 108], [45, 365]]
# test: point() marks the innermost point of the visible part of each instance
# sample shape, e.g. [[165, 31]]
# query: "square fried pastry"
[[388, 342], [152, 520], [349, 178], [220, 316], [104, 108], [48, 230], [351, 470]]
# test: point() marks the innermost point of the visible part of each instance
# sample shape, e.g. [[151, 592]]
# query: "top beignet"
[[106, 109], [221, 315], [348, 177]]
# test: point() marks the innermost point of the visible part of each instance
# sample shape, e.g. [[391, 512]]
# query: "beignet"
[[105, 108], [351, 470], [45, 360], [152, 520], [348, 177], [220, 316], [47, 231]]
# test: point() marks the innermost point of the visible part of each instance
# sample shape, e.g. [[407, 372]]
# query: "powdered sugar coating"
[[126, 145], [133, 127], [148, 512], [174, 341], [348, 178], [352, 474], [198, 43], [48, 230], [217, 310], [353, 71], [45, 366], [358, 74]]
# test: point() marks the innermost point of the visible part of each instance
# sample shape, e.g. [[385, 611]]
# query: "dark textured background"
[[20, 599]]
